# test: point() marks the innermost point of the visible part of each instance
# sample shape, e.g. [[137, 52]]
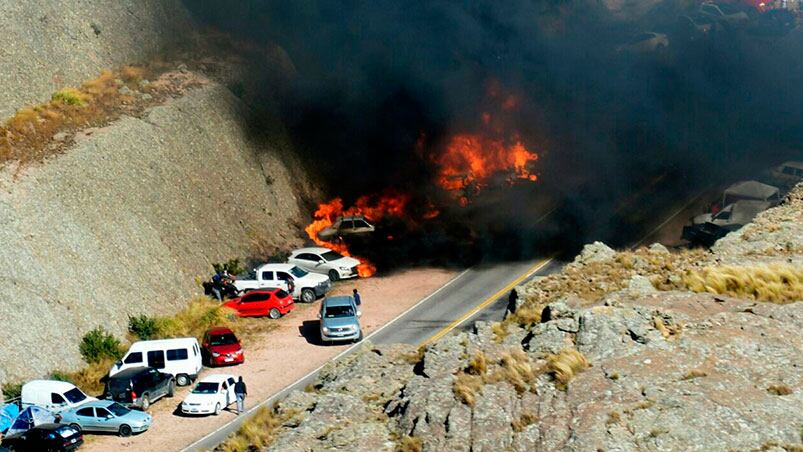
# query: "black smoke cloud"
[[372, 77]]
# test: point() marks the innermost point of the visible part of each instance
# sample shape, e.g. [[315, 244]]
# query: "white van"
[[180, 357], [52, 395]]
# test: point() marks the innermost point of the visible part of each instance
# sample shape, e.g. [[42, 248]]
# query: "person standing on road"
[[357, 298], [240, 391]]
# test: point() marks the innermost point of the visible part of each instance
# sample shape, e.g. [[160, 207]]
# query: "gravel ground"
[[279, 358]]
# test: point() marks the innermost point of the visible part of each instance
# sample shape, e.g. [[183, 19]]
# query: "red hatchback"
[[273, 303], [221, 347]]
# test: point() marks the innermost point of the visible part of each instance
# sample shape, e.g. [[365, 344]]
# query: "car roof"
[[216, 378], [49, 384], [163, 343], [793, 164], [130, 372], [340, 300], [312, 249], [218, 330], [353, 217]]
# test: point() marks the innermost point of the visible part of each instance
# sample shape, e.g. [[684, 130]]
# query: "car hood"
[[339, 322], [136, 417], [345, 261], [704, 218], [201, 398], [313, 279], [229, 348]]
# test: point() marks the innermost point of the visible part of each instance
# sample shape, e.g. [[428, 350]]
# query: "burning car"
[[731, 218], [346, 226]]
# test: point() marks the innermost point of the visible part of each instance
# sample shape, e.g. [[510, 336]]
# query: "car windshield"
[[331, 256], [118, 410], [205, 388], [338, 311], [223, 339], [297, 272], [74, 395]]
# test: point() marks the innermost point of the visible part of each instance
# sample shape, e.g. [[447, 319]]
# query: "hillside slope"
[[595, 358], [50, 44]]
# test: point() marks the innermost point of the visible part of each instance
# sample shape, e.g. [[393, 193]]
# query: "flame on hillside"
[[374, 208]]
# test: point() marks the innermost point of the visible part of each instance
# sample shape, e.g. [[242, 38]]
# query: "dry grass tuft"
[[415, 357], [670, 331], [466, 387], [773, 283], [526, 419], [779, 390], [694, 373], [642, 405], [132, 73], [613, 418], [410, 444], [199, 315], [478, 365], [70, 96], [565, 365], [255, 433], [516, 370], [88, 378]]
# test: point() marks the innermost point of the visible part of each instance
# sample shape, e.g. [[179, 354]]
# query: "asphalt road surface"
[[479, 293]]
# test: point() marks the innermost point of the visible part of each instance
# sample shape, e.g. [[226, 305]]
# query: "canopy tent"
[[750, 190], [30, 417], [7, 414]]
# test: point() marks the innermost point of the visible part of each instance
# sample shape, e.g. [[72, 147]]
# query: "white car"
[[211, 395], [299, 283], [325, 261]]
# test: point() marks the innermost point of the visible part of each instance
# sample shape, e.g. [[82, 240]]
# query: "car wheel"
[[334, 275], [76, 427], [307, 296], [171, 388], [145, 403], [182, 380], [274, 313], [217, 409], [125, 430]]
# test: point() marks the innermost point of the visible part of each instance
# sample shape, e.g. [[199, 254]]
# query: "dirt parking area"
[[276, 359]]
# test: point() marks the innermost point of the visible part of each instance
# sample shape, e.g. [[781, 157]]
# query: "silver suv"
[[340, 320]]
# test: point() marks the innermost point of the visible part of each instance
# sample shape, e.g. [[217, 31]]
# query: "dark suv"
[[138, 387]]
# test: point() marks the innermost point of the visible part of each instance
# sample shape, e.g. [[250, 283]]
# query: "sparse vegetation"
[[500, 331], [467, 387], [694, 373], [88, 378], [774, 283], [478, 365], [415, 357], [70, 96], [11, 390], [565, 365], [668, 330], [515, 368], [99, 345], [523, 421], [613, 418], [143, 327], [233, 266], [258, 431], [410, 444], [779, 389]]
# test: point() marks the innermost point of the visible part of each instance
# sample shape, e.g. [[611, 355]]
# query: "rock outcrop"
[[613, 365]]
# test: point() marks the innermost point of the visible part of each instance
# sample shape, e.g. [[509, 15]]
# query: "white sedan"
[[211, 395], [325, 261]]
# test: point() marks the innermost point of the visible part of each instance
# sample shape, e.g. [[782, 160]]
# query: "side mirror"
[[359, 313], [109, 416], [321, 261], [119, 363]]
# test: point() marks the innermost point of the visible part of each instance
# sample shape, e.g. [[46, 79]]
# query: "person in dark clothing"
[[357, 298], [240, 391], [512, 299]]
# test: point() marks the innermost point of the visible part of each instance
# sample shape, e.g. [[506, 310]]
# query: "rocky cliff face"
[[50, 44], [610, 364]]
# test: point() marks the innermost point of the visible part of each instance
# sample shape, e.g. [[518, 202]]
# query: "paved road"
[[479, 293]]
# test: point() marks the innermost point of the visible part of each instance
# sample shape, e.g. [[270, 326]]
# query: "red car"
[[273, 303], [221, 347]]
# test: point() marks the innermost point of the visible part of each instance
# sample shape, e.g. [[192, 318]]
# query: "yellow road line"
[[538, 266]]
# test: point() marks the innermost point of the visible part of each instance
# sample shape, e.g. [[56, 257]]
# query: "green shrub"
[[69, 96], [99, 344], [143, 327], [11, 390], [61, 376], [279, 256], [233, 266]]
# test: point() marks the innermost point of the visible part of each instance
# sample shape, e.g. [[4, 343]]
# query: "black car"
[[138, 387], [55, 437]]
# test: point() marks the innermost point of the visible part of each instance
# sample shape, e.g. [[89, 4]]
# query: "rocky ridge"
[[615, 365]]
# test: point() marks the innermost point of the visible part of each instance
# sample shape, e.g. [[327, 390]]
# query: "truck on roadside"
[[301, 284]]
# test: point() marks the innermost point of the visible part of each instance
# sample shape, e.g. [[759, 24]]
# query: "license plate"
[[228, 360], [72, 441]]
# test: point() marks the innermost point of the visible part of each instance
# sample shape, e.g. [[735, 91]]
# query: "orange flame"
[[374, 208], [470, 159]]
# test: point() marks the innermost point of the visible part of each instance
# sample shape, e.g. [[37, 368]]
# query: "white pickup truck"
[[307, 287]]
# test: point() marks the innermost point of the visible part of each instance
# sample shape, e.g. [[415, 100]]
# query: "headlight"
[[215, 354], [325, 330], [345, 269], [238, 352]]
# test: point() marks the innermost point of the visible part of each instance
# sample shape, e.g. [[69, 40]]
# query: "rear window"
[[119, 385], [177, 354], [281, 293], [75, 395]]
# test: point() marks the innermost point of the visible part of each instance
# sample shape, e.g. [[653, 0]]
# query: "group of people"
[[222, 284]]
